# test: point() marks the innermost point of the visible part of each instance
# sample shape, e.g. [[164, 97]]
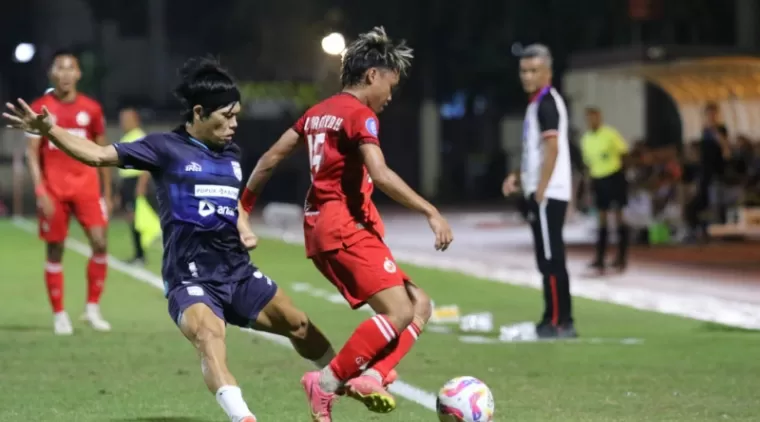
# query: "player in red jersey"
[[343, 229], [66, 187]]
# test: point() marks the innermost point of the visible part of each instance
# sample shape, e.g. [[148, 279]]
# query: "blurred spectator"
[[715, 150]]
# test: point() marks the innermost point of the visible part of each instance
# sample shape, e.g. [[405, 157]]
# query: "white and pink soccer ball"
[[465, 399]]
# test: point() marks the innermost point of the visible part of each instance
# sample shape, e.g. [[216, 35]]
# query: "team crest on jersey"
[[371, 125], [389, 265], [237, 170], [83, 118]]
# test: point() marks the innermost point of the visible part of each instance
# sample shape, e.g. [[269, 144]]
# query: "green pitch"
[[146, 371]]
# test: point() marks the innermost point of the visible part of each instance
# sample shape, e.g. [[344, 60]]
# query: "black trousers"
[[547, 221]]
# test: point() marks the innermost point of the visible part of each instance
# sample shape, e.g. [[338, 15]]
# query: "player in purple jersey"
[[208, 274]]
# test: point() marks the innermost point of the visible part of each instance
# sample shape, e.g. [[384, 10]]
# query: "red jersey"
[[339, 210], [63, 176]]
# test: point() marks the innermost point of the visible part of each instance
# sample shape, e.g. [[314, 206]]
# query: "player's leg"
[[281, 316], [366, 273], [539, 229], [53, 231], [128, 202], [621, 201], [91, 213], [383, 366], [602, 204], [559, 280], [197, 312], [260, 304]]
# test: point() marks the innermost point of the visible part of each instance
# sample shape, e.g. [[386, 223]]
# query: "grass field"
[[145, 371]]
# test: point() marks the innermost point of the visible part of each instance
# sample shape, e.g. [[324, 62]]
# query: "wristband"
[[40, 190], [248, 200]]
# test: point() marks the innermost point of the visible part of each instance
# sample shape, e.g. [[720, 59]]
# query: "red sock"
[[97, 268], [404, 344], [54, 283], [369, 339]]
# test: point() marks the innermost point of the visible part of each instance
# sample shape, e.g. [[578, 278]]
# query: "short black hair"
[[593, 110], [374, 49], [711, 106], [206, 83], [63, 52]]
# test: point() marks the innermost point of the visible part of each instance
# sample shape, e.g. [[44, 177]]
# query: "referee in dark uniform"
[[546, 182], [133, 183], [603, 152]]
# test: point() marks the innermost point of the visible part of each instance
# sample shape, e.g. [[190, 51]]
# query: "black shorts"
[[610, 192], [127, 192]]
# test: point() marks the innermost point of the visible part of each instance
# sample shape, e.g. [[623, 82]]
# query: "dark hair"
[[593, 110], [62, 53], [373, 49], [711, 106], [206, 83]]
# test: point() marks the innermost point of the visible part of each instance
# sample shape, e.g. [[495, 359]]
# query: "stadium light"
[[24, 52], [333, 44]]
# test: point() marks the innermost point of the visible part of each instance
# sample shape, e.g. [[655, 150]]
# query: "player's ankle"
[[328, 381], [230, 398], [375, 374]]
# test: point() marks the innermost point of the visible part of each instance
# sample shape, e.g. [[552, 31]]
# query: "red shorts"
[[89, 210], [361, 270]]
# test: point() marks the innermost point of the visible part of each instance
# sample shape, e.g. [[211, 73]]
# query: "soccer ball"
[[465, 399]]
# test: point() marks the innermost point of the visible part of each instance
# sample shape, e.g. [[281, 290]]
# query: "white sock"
[[327, 380], [231, 399], [325, 360], [374, 374]]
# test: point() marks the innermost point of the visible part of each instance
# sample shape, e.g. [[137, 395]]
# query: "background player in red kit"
[[343, 229], [66, 187]]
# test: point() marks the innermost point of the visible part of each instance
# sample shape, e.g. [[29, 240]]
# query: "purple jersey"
[[197, 190]]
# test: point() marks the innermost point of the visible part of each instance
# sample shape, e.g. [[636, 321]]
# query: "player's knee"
[[54, 252], [423, 308], [298, 324], [99, 245], [203, 331], [402, 315]]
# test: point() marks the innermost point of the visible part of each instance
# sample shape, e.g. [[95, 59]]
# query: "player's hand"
[[249, 239], [442, 231], [24, 118], [45, 204], [510, 185]]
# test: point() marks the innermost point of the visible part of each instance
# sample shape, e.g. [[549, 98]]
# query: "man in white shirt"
[[546, 181]]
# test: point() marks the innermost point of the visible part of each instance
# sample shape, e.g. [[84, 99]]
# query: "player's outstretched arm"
[[81, 149], [391, 183], [261, 174], [394, 186]]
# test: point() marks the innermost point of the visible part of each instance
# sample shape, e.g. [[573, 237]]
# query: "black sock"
[[601, 245], [139, 252], [623, 240]]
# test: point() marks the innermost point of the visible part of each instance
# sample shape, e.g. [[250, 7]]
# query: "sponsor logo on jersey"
[[193, 167], [389, 265], [83, 118], [216, 191]]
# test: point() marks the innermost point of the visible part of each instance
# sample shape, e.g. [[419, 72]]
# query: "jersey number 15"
[[316, 143]]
